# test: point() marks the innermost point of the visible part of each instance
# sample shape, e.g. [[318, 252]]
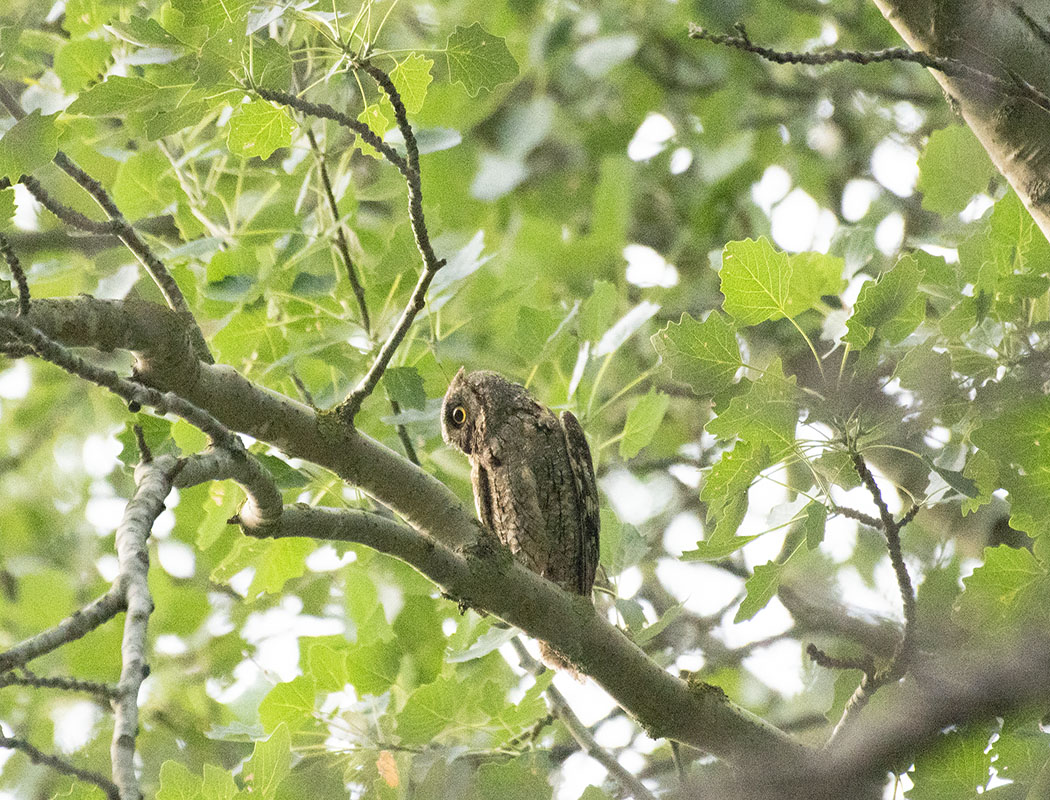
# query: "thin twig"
[[340, 236], [562, 710], [891, 530], [860, 516], [119, 226], [949, 66], [431, 263], [325, 111], [359, 292], [102, 690], [68, 215], [402, 434], [140, 439], [865, 664], [902, 653], [17, 273], [73, 627], [61, 765]]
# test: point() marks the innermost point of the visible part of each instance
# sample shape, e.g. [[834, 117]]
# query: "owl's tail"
[[555, 660]]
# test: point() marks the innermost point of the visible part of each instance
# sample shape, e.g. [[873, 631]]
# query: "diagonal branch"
[[445, 541], [130, 391], [73, 627], [17, 273], [348, 409], [122, 228], [340, 235], [487, 577], [38, 756], [902, 654], [409, 168], [1014, 87], [560, 707]]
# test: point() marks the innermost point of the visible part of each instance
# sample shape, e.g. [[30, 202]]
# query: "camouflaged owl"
[[533, 478]]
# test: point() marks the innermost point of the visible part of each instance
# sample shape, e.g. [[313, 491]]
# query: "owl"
[[533, 478]]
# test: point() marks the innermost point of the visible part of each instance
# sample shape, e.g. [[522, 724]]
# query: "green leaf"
[[765, 415], [760, 587], [816, 518], [956, 766], [717, 548], [704, 355], [512, 780], [650, 631], [491, 640], [621, 545], [215, 15], [145, 185], [281, 561], [761, 283], [594, 793], [512, 721], [178, 783], [81, 61], [28, 145], [597, 311], [114, 96], [957, 480], [257, 129], [327, 666], [157, 433], [284, 474], [429, 710], [405, 386], [270, 763], [7, 207], [218, 784], [1008, 590], [725, 490], [412, 77], [478, 60], [642, 422], [290, 703], [372, 668], [946, 188], [889, 308], [376, 118]]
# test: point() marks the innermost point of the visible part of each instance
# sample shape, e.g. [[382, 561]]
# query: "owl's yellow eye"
[[459, 416]]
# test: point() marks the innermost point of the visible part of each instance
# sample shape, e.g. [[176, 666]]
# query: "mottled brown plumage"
[[532, 475]]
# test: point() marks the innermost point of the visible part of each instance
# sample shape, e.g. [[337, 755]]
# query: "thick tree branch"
[[669, 707], [130, 391], [152, 486], [487, 577], [993, 38], [120, 226], [953, 689]]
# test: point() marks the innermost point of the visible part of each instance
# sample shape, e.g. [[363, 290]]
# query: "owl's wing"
[[479, 479], [587, 492]]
